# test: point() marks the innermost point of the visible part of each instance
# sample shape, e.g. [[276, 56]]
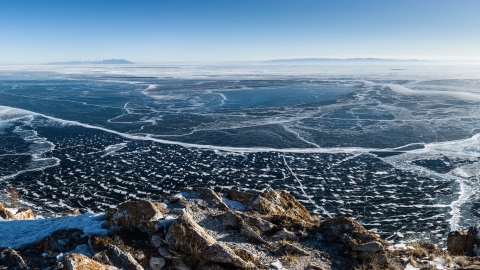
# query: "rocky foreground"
[[200, 229]]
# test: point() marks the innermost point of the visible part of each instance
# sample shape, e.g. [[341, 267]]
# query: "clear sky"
[[229, 30]]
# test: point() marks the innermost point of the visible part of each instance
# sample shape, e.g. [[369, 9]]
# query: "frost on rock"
[[234, 204]]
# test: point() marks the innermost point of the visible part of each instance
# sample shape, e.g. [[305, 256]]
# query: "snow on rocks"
[[17, 233], [15, 213]]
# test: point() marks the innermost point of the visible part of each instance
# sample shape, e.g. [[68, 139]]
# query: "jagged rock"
[[73, 212], [222, 254], [18, 214], [61, 241], [457, 242], [291, 249], [141, 214], [81, 262], [121, 259], [156, 241], [473, 242], [232, 221], [180, 265], [12, 259], [245, 198], [336, 227], [284, 234], [185, 233], [208, 194], [98, 243], [156, 263], [274, 202], [373, 246], [277, 265], [252, 236], [264, 225], [246, 255]]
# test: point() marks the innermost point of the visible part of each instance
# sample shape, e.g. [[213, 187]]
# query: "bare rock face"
[[457, 242], [122, 259], [373, 246], [252, 236], [286, 235], [18, 214], [141, 214], [245, 198], [81, 262], [12, 259]]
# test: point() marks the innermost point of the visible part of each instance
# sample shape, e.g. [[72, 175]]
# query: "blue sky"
[[230, 30]]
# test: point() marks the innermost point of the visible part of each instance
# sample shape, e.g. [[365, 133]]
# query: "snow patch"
[[234, 204]]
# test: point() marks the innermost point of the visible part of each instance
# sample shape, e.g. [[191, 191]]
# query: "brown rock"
[[18, 214], [73, 212], [81, 262], [141, 214], [246, 255], [274, 202], [457, 243], [336, 227], [185, 234], [208, 194], [12, 259], [97, 242]]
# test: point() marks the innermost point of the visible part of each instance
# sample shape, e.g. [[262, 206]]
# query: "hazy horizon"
[[36, 32]]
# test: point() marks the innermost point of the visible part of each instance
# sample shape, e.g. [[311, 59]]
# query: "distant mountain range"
[[309, 60], [94, 62]]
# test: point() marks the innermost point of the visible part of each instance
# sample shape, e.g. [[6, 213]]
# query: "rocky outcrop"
[[12, 259], [82, 262], [140, 214], [16, 213], [122, 259], [457, 242], [61, 241]]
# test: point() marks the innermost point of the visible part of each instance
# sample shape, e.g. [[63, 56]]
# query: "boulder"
[[232, 221], [341, 226], [473, 242], [98, 243], [140, 214], [16, 213], [81, 262], [156, 241], [12, 259], [156, 263], [61, 241], [457, 243], [121, 259], [185, 234], [274, 202]]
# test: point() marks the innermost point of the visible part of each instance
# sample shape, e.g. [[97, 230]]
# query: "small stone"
[[156, 241], [73, 212], [156, 263]]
